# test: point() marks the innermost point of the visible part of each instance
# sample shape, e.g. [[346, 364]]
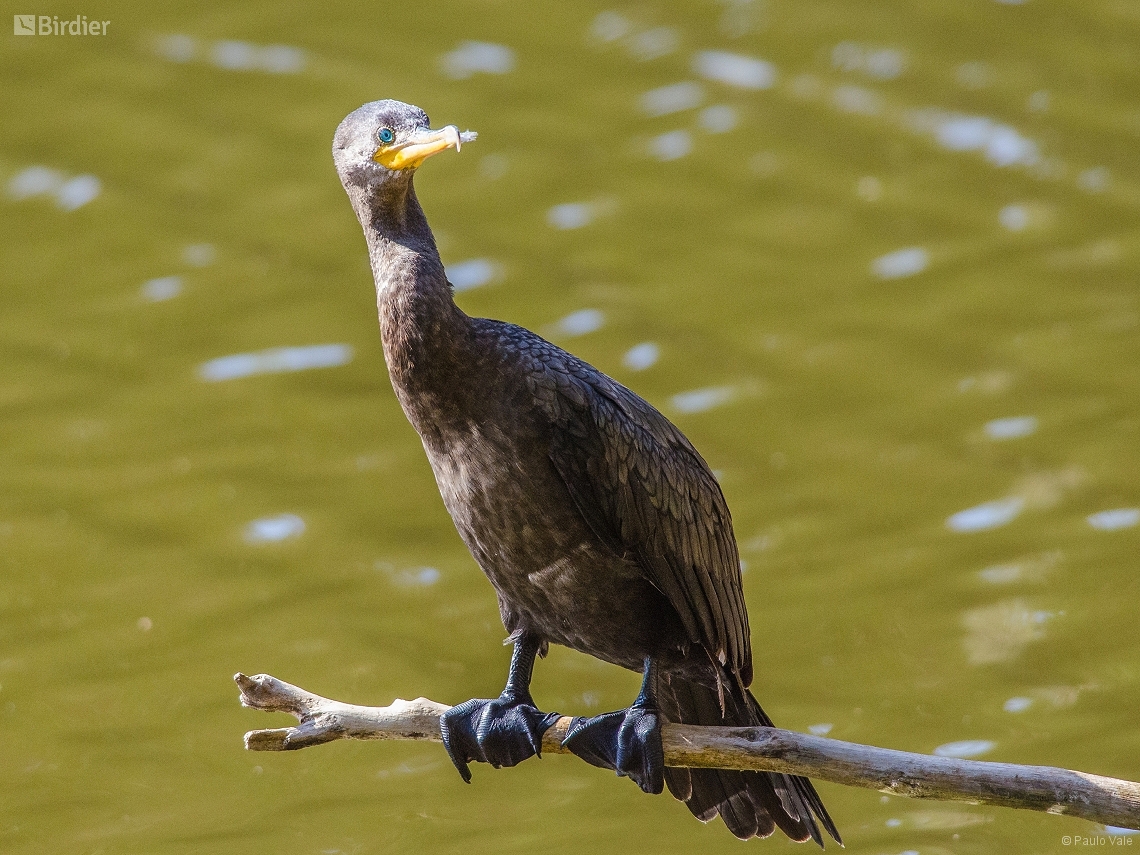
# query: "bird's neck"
[[422, 329]]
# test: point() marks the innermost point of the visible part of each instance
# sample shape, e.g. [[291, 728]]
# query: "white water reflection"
[[581, 322], [570, 215], [672, 145], [1001, 574], [1094, 180], [272, 529], [413, 577], [34, 181], [282, 59], [700, 400], [609, 26], [77, 192], [472, 57], [718, 119], [880, 63], [641, 356], [643, 45], [177, 47], [1014, 217], [653, 43], [162, 288], [1011, 428], [743, 72], [275, 360], [857, 99], [232, 54], [673, 98], [987, 515], [901, 262], [1001, 144], [974, 75], [471, 274], [199, 254], [1000, 631], [1115, 519], [1032, 568], [965, 748], [69, 193]]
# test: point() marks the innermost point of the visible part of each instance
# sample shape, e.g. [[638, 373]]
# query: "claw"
[[626, 741], [503, 732]]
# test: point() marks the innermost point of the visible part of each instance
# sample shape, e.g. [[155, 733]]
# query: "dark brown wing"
[[648, 494]]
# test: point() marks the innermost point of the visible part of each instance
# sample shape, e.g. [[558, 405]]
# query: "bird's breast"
[[553, 575]]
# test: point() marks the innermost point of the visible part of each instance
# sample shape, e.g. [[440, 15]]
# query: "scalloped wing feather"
[[648, 494]]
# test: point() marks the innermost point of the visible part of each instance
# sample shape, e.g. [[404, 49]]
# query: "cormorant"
[[598, 523]]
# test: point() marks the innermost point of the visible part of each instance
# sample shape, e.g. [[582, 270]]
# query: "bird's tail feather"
[[752, 804]]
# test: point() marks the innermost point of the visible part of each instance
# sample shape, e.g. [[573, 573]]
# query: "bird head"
[[386, 140]]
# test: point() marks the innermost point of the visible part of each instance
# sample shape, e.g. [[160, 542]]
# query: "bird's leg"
[[627, 741], [503, 731]]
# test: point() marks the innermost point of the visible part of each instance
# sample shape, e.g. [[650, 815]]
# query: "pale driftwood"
[[1058, 791]]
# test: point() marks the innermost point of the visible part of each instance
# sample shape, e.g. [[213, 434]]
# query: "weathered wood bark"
[[1059, 791]]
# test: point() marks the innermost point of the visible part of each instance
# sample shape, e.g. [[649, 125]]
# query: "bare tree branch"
[[1044, 788]]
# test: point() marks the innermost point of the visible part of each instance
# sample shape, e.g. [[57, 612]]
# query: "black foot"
[[627, 741], [503, 732]]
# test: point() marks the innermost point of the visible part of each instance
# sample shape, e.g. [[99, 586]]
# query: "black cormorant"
[[598, 523]]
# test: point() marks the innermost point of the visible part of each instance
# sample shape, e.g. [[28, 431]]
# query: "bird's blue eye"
[[385, 135]]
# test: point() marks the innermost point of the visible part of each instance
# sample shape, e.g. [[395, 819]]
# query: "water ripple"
[[641, 356], [69, 193], [581, 322], [232, 54], [472, 57], [1012, 427], [1115, 519], [1001, 144], [700, 400], [879, 63], [986, 516], [718, 119], [570, 215], [275, 360], [900, 263], [965, 748], [744, 72], [471, 274], [162, 288], [672, 145], [673, 98], [272, 529]]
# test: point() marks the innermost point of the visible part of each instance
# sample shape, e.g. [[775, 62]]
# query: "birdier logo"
[[51, 25]]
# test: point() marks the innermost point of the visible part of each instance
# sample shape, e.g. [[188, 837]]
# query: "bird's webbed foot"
[[503, 731], [627, 741]]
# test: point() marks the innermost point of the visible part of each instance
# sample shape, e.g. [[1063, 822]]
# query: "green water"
[[851, 415]]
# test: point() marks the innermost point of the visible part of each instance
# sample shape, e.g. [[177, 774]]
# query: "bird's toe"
[[502, 731], [627, 741]]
